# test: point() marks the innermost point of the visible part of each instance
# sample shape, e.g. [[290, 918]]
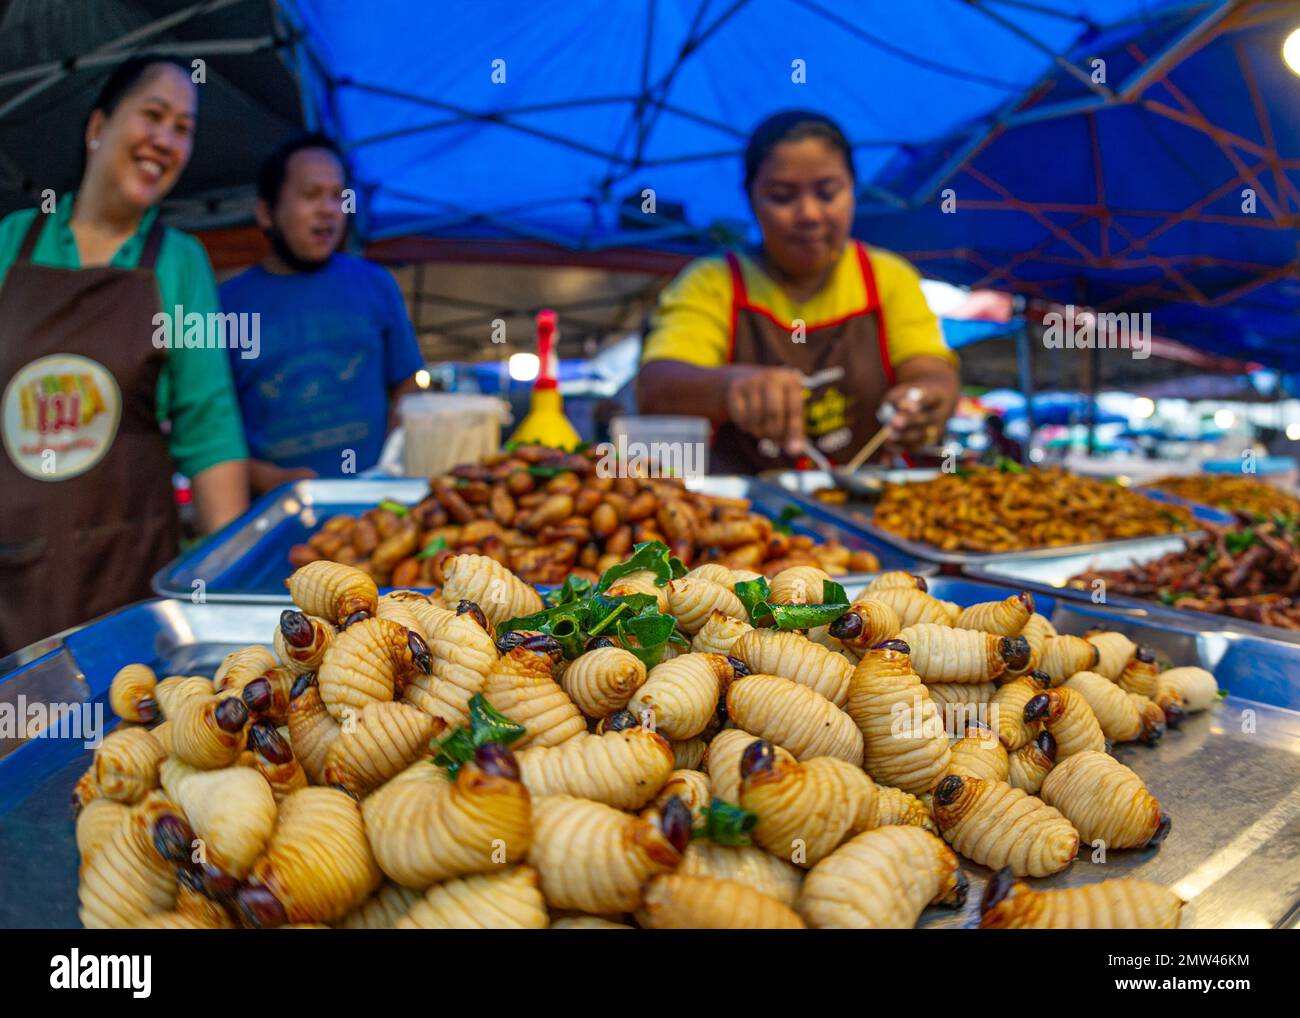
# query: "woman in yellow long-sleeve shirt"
[[805, 338]]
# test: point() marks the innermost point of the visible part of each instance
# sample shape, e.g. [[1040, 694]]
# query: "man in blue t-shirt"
[[336, 346]]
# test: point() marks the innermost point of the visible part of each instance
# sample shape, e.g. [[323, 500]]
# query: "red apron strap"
[[874, 305], [739, 299], [30, 238], [152, 245]]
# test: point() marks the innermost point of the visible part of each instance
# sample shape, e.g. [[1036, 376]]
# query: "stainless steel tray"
[[801, 483], [248, 560], [1234, 797]]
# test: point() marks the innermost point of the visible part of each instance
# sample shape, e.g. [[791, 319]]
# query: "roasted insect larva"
[[311, 729], [719, 634], [1182, 691], [1029, 765], [96, 824], [232, 810], [866, 623], [688, 754], [1109, 905], [906, 745], [682, 902], [508, 899], [520, 686], [942, 654], [1007, 711], [715, 572], [462, 652], [1064, 655], [1001, 618], [208, 731], [961, 703], [381, 910], [338, 593], [794, 717], [1105, 801], [722, 762], [176, 689], [602, 681], [745, 864], [193, 911], [640, 582], [593, 858], [1037, 631], [317, 866], [798, 585], [897, 578], [1115, 651], [979, 754], [692, 600], [694, 791], [1123, 716], [383, 739], [85, 791], [300, 641], [370, 661], [894, 806], [240, 667], [131, 694], [126, 764], [273, 759], [995, 825], [804, 809], [1140, 675], [623, 768], [127, 879], [911, 605], [1066, 714], [772, 652], [882, 879], [587, 922], [682, 694], [490, 585], [424, 828]]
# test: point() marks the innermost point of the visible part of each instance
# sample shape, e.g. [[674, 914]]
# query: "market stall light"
[[1224, 419], [524, 366], [1036, 455], [422, 378], [1293, 432], [1144, 407], [1291, 51]]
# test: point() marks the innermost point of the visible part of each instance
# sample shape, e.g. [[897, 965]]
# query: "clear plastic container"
[[660, 446], [443, 429]]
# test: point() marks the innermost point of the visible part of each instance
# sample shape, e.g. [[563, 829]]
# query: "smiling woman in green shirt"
[[95, 413]]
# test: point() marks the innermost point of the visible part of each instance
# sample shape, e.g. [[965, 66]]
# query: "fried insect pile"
[[990, 510], [545, 514], [398, 763]]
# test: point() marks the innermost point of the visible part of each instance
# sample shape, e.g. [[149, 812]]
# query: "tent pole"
[[1025, 369]]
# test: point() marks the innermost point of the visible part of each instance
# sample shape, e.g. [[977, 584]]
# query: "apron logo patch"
[[60, 415]]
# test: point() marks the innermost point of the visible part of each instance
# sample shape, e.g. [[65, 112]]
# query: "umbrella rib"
[[1078, 73]]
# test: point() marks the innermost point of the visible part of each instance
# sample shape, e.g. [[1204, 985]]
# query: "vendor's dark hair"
[[275, 168], [127, 75], [792, 125]]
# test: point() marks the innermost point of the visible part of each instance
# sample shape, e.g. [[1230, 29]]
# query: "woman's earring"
[[94, 144]]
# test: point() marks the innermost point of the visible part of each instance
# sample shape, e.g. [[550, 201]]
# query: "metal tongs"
[[846, 478]]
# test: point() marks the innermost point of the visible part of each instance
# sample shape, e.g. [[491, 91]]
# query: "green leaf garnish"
[[725, 823], [653, 556], [753, 595], [486, 724], [394, 507], [1222, 694], [1239, 541], [431, 549], [782, 523]]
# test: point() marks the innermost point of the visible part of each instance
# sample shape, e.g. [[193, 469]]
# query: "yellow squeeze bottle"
[[545, 423]]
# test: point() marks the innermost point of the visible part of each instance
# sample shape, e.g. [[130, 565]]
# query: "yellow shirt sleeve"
[[910, 326], [692, 321]]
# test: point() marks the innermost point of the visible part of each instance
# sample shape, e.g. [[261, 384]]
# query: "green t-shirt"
[[194, 392]]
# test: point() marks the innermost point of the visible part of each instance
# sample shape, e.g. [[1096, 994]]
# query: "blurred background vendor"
[[337, 347], [98, 412], [805, 338]]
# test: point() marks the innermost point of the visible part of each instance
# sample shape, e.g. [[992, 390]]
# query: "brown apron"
[[87, 513], [846, 369]]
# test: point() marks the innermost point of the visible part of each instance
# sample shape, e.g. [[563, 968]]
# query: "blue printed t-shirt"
[[332, 343]]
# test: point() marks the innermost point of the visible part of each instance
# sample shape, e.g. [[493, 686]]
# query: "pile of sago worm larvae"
[[756, 778]]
